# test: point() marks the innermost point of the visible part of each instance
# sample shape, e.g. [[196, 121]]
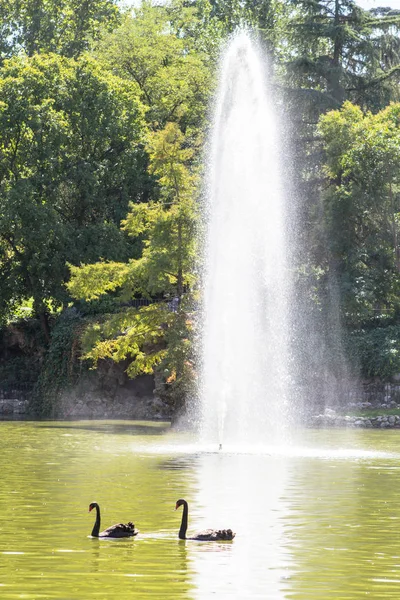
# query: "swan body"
[[120, 530], [208, 535]]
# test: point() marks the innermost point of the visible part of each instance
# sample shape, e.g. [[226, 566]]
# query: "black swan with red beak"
[[121, 530], [208, 535]]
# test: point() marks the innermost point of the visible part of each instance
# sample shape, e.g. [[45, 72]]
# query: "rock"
[[13, 407], [330, 412]]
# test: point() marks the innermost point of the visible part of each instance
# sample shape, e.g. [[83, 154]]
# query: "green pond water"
[[317, 519]]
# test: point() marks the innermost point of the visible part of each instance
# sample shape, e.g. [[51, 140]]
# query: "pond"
[[315, 520]]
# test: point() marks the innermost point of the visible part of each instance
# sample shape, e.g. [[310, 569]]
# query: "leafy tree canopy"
[[362, 206], [62, 26], [71, 161], [164, 52], [336, 48], [159, 333]]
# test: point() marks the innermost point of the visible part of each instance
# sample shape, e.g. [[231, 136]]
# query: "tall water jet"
[[245, 375]]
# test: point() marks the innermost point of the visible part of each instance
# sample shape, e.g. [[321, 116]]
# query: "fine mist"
[[245, 356]]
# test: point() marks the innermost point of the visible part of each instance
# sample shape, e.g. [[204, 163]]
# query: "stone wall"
[[371, 394], [331, 419], [13, 405], [106, 393], [113, 398]]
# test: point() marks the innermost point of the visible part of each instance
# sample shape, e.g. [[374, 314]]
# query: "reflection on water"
[[242, 492], [314, 521]]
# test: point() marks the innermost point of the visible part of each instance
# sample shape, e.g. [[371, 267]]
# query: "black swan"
[[208, 535], [120, 530]]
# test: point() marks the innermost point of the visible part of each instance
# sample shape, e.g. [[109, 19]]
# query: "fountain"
[[245, 353]]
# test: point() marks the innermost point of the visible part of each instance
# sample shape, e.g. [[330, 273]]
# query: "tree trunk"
[[394, 229], [334, 86], [179, 281], [43, 316]]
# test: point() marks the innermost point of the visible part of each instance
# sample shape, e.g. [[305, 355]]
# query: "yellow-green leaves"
[[362, 211], [71, 150], [150, 49], [168, 226], [169, 159], [137, 335], [91, 281], [62, 26], [157, 333], [364, 147]]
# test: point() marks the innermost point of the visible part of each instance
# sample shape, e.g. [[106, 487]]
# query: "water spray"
[[246, 327]]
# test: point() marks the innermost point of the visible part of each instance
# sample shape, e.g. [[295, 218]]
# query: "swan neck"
[[184, 523], [96, 527]]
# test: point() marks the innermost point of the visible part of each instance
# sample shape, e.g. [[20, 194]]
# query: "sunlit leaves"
[[169, 226], [62, 26], [71, 161], [137, 334], [91, 281], [362, 206], [173, 75], [156, 334]]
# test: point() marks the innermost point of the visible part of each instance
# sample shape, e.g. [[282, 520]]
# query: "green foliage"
[[167, 226], [102, 118], [61, 365], [132, 334], [331, 51], [21, 349], [263, 15], [154, 335], [362, 210], [159, 49], [97, 279], [19, 373], [377, 351], [342, 51], [71, 162], [62, 26]]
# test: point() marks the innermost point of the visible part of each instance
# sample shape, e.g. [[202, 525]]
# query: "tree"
[[156, 49], [341, 51], [331, 51], [263, 15], [71, 160], [62, 26], [158, 334], [362, 210]]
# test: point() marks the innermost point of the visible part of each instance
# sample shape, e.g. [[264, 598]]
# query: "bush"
[[377, 351], [62, 365]]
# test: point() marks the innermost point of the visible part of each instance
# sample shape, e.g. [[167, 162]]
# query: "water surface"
[[316, 520]]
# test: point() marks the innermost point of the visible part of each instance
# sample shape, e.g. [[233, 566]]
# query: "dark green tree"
[[362, 209], [62, 26], [337, 51], [162, 51], [71, 161], [156, 336]]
